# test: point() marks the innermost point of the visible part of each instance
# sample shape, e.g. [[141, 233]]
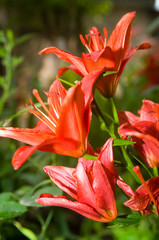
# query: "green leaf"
[[114, 110], [2, 52], [25, 231], [11, 209], [125, 221], [112, 130], [121, 142], [109, 73], [2, 37], [10, 35], [6, 196], [23, 38], [1, 81], [90, 157], [29, 198], [66, 82], [17, 60]]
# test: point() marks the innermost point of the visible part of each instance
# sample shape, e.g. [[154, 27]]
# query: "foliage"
[[9, 64], [20, 216]]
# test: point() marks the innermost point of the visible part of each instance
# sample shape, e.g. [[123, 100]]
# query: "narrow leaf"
[[90, 157], [25, 231], [121, 142], [109, 73], [66, 82]]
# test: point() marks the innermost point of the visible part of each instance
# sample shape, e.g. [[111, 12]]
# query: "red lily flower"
[[144, 130], [113, 54], [65, 126], [151, 70], [91, 184], [147, 193]]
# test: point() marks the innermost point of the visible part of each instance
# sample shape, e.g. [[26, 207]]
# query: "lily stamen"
[[95, 39], [42, 117], [50, 123], [106, 36], [84, 43], [36, 94], [56, 106]]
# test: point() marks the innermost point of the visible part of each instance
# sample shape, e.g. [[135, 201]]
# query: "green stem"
[[115, 114], [45, 225], [155, 171], [66, 82], [130, 165], [90, 157], [144, 166], [97, 112], [125, 154]]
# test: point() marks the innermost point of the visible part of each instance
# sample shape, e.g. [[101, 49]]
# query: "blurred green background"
[[26, 27]]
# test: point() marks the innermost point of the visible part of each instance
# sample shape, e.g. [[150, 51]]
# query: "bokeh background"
[[26, 27]]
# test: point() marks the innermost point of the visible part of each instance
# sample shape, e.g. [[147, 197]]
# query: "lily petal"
[[127, 117], [21, 155], [141, 200], [120, 37], [89, 82], [66, 57], [56, 96], [55, 145], [139, 203], [70, 122], [84, 189], [81, 208], [63, 177], [106, 156], [72, 67], [125, 187], [29, 136], [147, 145], [75, 123], [105, 59], [103, 190], [147, 112], [130, 52]]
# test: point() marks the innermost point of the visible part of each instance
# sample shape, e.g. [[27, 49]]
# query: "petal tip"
[[15, 166], [46, 169]]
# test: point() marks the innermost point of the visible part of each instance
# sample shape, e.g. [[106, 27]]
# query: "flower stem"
[[125, 154], [155, 171], [130, 165], [115, 114], [96, 110], [144, 166]]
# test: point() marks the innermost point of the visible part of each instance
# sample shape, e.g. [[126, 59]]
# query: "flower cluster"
[[64, 125]]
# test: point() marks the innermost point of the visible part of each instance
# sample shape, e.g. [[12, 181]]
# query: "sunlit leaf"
[[109, 73], [121, 142], [25, 231], [66, 82]]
